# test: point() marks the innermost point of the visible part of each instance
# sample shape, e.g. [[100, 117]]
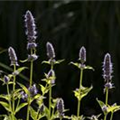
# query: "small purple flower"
[[24, 96], [107, 68], [82, 55], [50, 50], [31, 45], [12, 56], [32, 57], [51, 75], [33, 90], [109, 85], [6, 79], [30, 27], [105, 109], [60, 107]]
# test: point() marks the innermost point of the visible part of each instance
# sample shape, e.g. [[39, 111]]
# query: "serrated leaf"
[[5, 105], [20, 107]]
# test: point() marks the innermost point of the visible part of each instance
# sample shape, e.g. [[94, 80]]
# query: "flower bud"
[[60, 106], [50, 50], [82, 55], [6, 79], [51, 75], [12, 56], [33, 90], [107, 68], [24, 96]]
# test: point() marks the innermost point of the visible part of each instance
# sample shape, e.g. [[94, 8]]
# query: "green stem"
[[31, 77], [14, 80], [106, 101], [10, 101], [60, 118], [111, 117], [28, 110], [80, 84], [50, 96], [31, 70], [106, 97]]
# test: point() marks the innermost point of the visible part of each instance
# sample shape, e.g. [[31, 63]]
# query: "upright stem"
[[14, 80], [60, 118], [106, 101], [50, 96], [28, 110], [111, 117], [10, 101], [31, 70], [31, 77], [80, 84]]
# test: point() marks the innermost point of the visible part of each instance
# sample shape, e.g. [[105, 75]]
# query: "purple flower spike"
[[50, 50], [12, 56], [30, 27], [107, 68], [82, 55], [60, 107]]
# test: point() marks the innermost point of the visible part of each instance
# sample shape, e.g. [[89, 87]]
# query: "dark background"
[[68, 25]]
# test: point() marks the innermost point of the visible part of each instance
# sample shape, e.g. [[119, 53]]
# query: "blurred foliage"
[[68, 25]]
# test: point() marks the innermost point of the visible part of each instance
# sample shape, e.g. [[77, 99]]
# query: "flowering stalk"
[[107, 71], [82, 58], [31, 45], [51, 56], [14, 63]]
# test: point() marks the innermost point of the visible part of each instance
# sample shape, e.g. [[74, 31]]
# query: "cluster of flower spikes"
[[31, 35], [107, 71]]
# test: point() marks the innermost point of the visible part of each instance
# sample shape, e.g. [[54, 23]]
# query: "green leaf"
[[89, 67], [6, 97], [82, 92], [24, 88], [5, 105], [46, 62], [59, 61], [23, 61], [19, 70], [113, 108], [75, 64], [20, 107], [101, 103], [33, 113]]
